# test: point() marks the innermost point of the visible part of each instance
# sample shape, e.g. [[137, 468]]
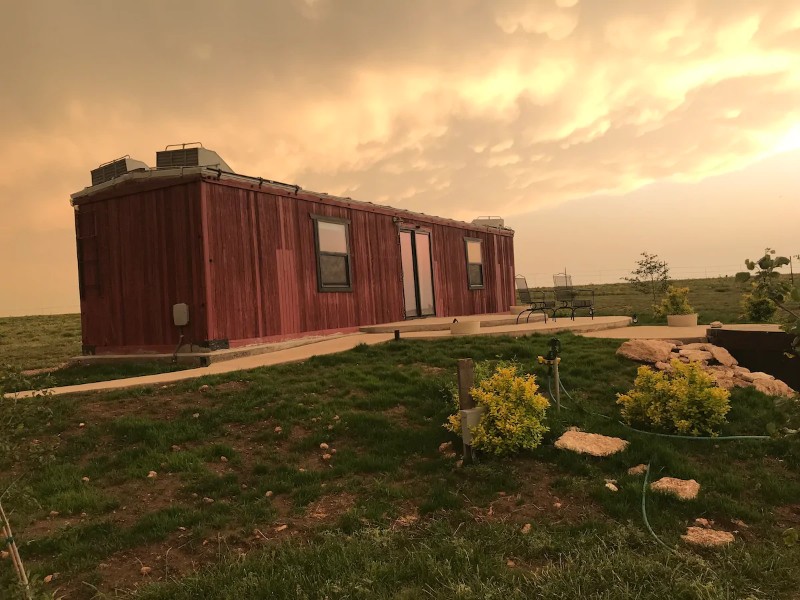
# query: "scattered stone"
[[526, 529], [280, 528], [556, 505], [176, 448], [50, 578], [326, 456], [696, 355], [510, 563], [703, 522], [649, 351], [708, 538], [637, 470], [333, 450], [773, 387], [330, 427], [196, 415], [611, 487], [203, 389], [722, 356], [446, 449], [681, 488], [590, 443], [302, 470], [407, 520], [85, 479], [146, 570], [54, 513], [269, 494], [278, 429], [335, 417], [323, 446], [208, 500], [152, 475], [739, 523], [81, 425], [716, 325], [4, 555], [663, 366], [223, 459]]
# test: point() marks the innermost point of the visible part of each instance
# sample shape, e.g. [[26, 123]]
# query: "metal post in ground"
[[466, 380]]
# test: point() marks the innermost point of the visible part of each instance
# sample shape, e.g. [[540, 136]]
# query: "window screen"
[[333, 255], [474, 263]]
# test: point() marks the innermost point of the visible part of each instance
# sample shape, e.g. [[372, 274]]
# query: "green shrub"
[[514, 412], [758, 308], [676, 302], [684, 400]]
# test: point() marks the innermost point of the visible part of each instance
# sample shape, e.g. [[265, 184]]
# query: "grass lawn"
[[387, 515]]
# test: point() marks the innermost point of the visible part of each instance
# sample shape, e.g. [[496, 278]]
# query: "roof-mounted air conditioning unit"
[[116, 168], [189, 155], [489, 221]]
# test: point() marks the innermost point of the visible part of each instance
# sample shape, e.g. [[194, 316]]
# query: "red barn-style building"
[[257, 261]]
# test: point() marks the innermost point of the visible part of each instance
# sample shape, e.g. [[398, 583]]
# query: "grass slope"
[[387, 515]]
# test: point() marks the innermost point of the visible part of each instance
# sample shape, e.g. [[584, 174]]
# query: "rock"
[[50, 578], [760, 375], [326, 457], [223, 459], [648, 351], [323, 446], [722, 356], [446, 449], [739, 523], [526, 529], [590, 443], [703, 523], [280, 528], [557, 505], [716, 325], [695, 346], [203, 389], [663, 366], [611, 487], [152, 475], [723, 376], [208, 500], [85, 479], [773, 387], [146, 570], [684, 489], [269, 494], [695, 355], [708, 538], [81, 425], [637, 470], [54, 513]]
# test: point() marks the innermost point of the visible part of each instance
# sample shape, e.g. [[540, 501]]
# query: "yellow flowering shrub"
[[514, 412], [685, 400]]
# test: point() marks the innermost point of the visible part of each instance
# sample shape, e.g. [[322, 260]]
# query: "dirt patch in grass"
[[330, 507], [788, 514], [161, 406]]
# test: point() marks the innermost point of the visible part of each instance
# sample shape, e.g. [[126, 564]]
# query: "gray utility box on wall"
[[180, 315]]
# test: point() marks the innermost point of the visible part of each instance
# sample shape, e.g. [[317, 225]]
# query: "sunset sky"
[[597, 128]]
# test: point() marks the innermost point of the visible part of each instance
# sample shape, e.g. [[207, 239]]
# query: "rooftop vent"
[[115, 168], [179, 155], [489, 222]]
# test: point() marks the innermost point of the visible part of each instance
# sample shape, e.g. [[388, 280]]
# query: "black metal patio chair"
[[537, 300], [571, 298]]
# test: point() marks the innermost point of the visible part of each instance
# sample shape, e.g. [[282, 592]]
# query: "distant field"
[[41, 341]]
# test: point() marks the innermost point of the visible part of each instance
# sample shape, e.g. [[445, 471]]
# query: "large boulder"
[[721, 355], [647, 351], [773, 387]]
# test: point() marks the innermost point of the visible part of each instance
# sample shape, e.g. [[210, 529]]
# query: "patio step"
[[443, 323]]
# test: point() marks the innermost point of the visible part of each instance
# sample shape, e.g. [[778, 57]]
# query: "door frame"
[[413, 230]]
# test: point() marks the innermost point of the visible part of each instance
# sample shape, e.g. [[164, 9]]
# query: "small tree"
[[766, 284], [651, 275]]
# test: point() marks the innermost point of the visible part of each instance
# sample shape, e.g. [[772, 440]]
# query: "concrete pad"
[[443, 323], [655, 332]]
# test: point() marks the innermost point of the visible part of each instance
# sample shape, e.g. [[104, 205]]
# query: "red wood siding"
[[262, 252], [149, 248]]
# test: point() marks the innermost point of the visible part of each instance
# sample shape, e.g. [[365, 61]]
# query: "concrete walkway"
[[332, 345], [662, 332]]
